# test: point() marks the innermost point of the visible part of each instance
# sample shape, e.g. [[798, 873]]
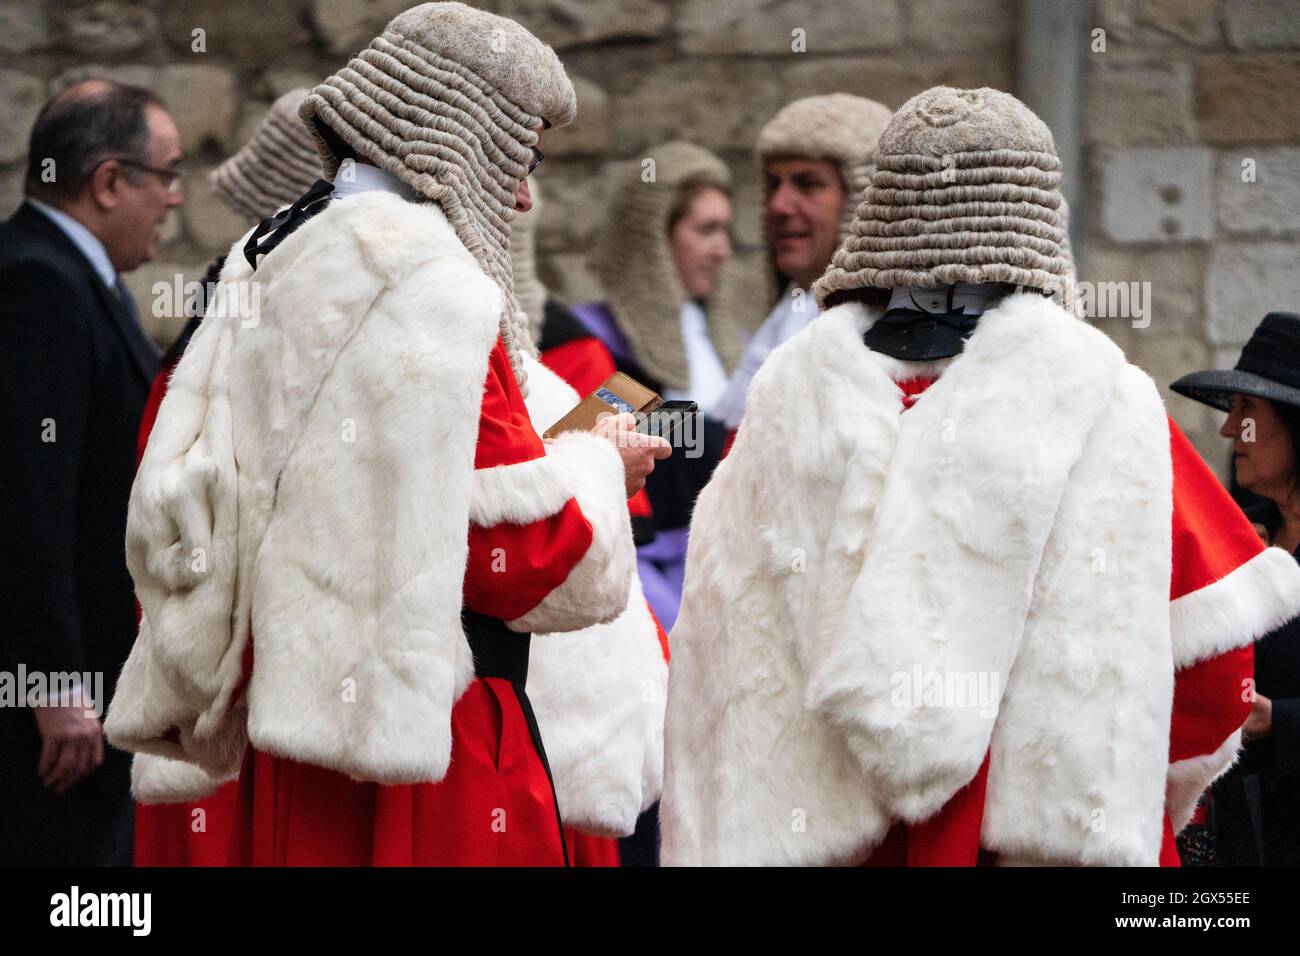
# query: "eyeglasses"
[[171, 178], [538, 156]]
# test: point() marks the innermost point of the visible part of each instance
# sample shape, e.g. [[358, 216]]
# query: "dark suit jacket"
[[75, 367]]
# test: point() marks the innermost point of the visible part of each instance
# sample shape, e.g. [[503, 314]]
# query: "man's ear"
[[106, 184]]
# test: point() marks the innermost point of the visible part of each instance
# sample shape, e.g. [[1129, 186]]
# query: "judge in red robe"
[[345, 526]]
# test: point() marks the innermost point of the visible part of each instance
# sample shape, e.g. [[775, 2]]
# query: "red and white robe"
[[869, 557], [435, 480], [1212, 540]]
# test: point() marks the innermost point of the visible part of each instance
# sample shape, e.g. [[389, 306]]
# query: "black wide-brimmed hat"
[[1269, 367]]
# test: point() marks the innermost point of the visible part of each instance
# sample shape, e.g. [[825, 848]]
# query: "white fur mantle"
[[1012, 527], [599, 693], [310, 479]]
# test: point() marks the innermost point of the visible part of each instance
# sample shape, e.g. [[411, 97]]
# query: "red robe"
[[1211, 537], [494, 807]]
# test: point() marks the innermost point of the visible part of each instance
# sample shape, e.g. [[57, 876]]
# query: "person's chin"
[[792, 260]]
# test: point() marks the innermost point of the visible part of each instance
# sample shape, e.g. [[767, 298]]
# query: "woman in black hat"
[[1257, 805]]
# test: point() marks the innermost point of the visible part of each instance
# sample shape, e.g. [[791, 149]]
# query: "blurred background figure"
[[815, 156], [1255, 808], [75, 369], [276, 166], [668, 321]]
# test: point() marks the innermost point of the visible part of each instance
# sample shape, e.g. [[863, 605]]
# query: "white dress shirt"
[[708, 376]]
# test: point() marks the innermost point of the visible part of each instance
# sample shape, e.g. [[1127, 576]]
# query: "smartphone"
[[667, 420]]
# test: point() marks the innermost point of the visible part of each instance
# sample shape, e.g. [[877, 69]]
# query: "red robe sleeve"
[[585, 363], [1226, 591], [534, 555]]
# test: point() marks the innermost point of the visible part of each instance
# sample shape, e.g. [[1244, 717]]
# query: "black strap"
[[503, 653], [287, 220], [498, 651]]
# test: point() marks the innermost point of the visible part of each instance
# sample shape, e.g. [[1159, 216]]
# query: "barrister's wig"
[[965, 189], [449, 100], [633, 261], [276, 166]]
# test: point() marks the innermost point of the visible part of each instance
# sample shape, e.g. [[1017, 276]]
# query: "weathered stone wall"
[[1192, 178], [711, 71], [1183, 93]]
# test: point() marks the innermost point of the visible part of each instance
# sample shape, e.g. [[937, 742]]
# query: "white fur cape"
[[599, 693], [310, 480], [1012, 528]]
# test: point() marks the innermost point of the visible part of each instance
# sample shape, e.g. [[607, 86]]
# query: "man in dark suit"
[[75, 370]]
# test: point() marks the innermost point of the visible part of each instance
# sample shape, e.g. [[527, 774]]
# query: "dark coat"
[[72, 359], [1257, 804]]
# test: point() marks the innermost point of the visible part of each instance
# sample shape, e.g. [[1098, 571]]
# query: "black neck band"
[[916, 336]]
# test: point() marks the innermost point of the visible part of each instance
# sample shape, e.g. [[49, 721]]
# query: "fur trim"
[[371, 314], [878, 562], [182, 673], [1236, 610], [599, 692], [1190, 778], [163, 780], [596, 588], [1077, 767], [521, 493]]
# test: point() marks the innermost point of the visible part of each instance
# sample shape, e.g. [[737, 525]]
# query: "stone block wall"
[[1191, 130], [1183, 94]]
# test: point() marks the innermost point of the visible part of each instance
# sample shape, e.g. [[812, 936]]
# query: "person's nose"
[[1231, 427], [723, 250], [782, 201], [523, 198]]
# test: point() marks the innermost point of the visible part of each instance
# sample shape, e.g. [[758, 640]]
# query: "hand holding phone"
[[638, 450]]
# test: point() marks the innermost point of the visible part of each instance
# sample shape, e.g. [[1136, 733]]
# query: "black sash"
[[503, 653]]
